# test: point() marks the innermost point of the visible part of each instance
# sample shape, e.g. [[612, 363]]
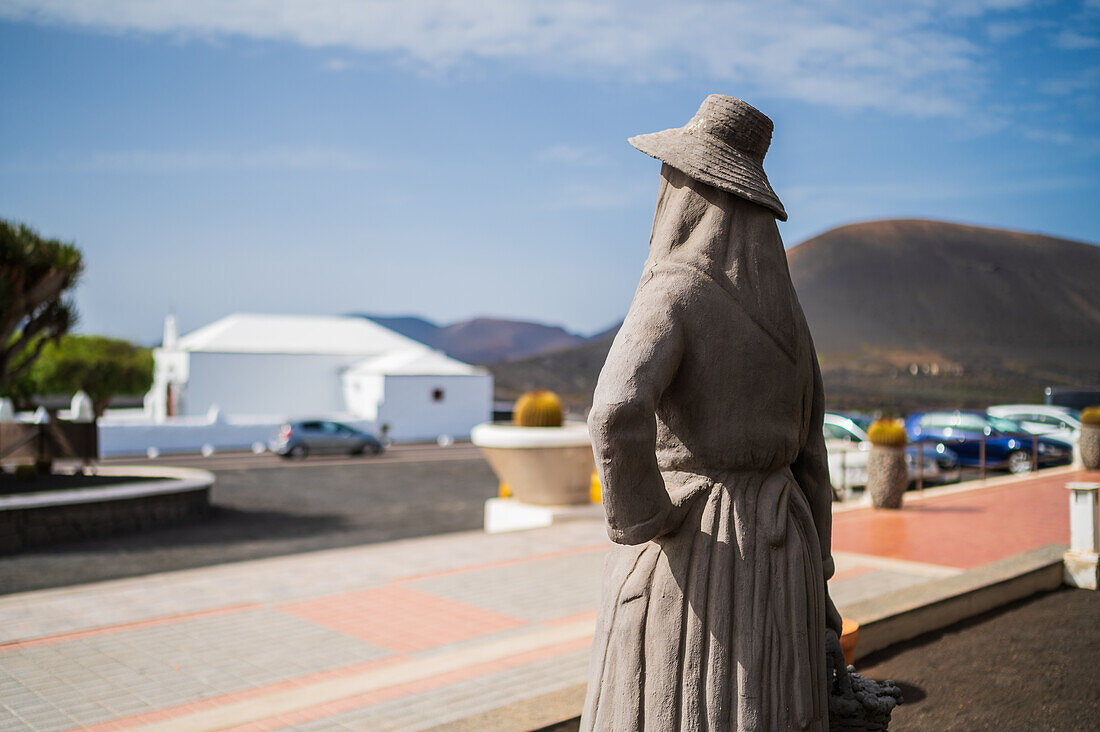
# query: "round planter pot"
[[546, 466], [887, 476], [1090, 446]]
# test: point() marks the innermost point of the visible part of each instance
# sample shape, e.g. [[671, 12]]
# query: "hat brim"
[[708, 160]]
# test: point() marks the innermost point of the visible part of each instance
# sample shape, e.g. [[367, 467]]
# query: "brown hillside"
[[966, 292], [489, 340], [982, 315]]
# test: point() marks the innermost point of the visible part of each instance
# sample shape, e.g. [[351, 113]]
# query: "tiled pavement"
[[417, 633]]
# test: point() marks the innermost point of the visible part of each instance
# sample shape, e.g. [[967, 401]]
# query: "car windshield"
[[862, 422], [1004, 425], [842, 428]]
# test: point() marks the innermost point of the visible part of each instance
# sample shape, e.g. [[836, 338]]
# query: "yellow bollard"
[[595, 490]]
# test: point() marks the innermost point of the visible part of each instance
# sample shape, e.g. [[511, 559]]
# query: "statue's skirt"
[[717, 624]]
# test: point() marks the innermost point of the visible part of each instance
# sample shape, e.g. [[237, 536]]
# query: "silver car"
[[319, 436], [1057, 423]]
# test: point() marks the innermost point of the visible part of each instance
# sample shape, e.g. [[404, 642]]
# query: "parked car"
[[1057, 423], [1008, 446], [848, 448], [299, 439]]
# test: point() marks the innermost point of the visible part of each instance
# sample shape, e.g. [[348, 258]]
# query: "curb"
[[965, 486], [47, 518], [162, 481], [903, 614]]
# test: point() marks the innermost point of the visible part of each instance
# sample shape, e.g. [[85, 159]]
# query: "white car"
[[848, 448], [1058, 423]]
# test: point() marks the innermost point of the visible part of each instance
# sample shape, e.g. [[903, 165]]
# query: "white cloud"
[[202, 161], [1071, 40], [910, 57], [338, 64], [600, 196], [1007, 30], [1084, 81]]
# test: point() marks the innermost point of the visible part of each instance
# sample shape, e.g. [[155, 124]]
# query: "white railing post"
[[1081, 566]]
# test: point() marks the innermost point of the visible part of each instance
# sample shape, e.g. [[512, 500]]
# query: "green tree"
[[102, 367], [35, 276]]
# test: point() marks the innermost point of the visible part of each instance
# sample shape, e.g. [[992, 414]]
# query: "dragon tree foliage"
[[36, 275], [101, 367]]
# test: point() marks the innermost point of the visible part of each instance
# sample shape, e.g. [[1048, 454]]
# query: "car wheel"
[[1019, 462], [298, 452], [376, 449]]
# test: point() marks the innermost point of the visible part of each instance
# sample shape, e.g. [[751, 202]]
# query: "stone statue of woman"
[[707, 430]]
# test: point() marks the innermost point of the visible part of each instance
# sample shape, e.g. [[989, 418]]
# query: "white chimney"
[[171, 333]]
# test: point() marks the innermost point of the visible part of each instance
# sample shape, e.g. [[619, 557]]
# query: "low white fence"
[[127, 435], [133, 432]]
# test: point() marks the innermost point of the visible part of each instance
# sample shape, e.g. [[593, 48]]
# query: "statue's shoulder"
[[677, 284]]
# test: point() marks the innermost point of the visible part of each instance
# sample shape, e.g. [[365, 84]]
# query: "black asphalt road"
[[265, 506]]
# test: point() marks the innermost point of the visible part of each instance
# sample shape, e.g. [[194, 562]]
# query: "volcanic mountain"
[[483, 340], [908, 314]]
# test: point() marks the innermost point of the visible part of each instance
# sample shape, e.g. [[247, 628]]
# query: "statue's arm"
[[811, 470], [641, 364]]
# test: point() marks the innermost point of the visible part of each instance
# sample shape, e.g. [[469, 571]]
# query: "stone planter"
[[887, 476], [1090, 446], [544, 466]]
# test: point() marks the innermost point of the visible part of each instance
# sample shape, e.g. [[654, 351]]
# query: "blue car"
[[1008, 446]]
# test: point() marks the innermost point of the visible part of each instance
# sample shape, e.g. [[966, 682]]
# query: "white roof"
[[409, 362], [248, 333]]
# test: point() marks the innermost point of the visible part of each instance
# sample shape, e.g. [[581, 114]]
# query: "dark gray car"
[[320, 436]]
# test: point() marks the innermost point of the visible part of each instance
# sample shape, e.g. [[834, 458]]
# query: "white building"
[[280, 367]]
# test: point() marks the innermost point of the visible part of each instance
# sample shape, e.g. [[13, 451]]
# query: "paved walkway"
[[418, 633]]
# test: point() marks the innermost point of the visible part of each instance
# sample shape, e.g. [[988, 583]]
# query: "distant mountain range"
[[483, 340], [908, 314]]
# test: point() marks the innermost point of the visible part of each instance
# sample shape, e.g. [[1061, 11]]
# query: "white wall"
[[129, 436], [363, 393], [413, 415], [284, 385]]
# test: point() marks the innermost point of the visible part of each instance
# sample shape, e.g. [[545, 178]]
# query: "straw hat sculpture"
[[723, 146]]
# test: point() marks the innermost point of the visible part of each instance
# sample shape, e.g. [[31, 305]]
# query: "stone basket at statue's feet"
[[545, 466]]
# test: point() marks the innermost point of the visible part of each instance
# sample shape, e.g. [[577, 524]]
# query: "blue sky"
[[455, 158]]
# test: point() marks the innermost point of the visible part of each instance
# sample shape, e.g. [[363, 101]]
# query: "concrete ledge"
[[161, 481], [903, 614], [172, 495], [537, 713]]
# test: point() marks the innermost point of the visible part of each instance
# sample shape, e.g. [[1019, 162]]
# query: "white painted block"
[[1082, 569], [1084, 522], [508, 514]]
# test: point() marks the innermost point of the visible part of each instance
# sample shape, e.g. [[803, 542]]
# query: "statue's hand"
[[837, 665]]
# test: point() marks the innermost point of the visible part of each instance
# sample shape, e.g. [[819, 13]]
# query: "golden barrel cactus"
[[538, 409], [887, 433], [1091, 416], [887, 471]]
